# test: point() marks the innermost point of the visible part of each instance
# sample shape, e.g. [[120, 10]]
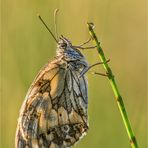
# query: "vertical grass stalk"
[[115, 89]]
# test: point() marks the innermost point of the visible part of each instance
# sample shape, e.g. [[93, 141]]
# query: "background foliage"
[[26, 46]]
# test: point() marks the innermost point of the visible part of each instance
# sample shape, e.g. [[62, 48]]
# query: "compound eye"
[[63, 45]]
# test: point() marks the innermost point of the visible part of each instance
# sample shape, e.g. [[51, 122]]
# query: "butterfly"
[[54, 113]]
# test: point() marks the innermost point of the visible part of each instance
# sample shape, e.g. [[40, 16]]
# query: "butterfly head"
[[67, 50], [64, 43]]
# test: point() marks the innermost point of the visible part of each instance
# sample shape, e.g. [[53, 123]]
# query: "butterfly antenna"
[[55, 22], [47, 27]]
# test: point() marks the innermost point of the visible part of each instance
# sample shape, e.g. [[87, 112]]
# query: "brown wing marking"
[[36, 115], [57, 84]]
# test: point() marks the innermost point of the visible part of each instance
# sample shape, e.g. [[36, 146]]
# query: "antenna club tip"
[[56, 10], [38, 15]]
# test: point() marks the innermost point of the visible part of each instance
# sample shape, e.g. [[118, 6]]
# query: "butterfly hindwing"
[[54, 113]]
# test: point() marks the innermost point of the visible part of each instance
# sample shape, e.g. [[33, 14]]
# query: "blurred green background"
[[26, 46]]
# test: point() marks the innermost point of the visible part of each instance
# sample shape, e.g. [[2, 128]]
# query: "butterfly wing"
[[54, 113]]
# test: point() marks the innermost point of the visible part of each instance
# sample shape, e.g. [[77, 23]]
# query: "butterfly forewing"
[[54, 113]]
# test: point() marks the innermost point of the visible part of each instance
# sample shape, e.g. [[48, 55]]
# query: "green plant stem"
[[118, 97]]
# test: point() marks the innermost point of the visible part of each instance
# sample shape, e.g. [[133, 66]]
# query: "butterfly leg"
[[85, 42], [101, 74], [88, 68], [81, 45], [90, 47]]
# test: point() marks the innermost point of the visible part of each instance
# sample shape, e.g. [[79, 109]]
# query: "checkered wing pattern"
[[54, 113]]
